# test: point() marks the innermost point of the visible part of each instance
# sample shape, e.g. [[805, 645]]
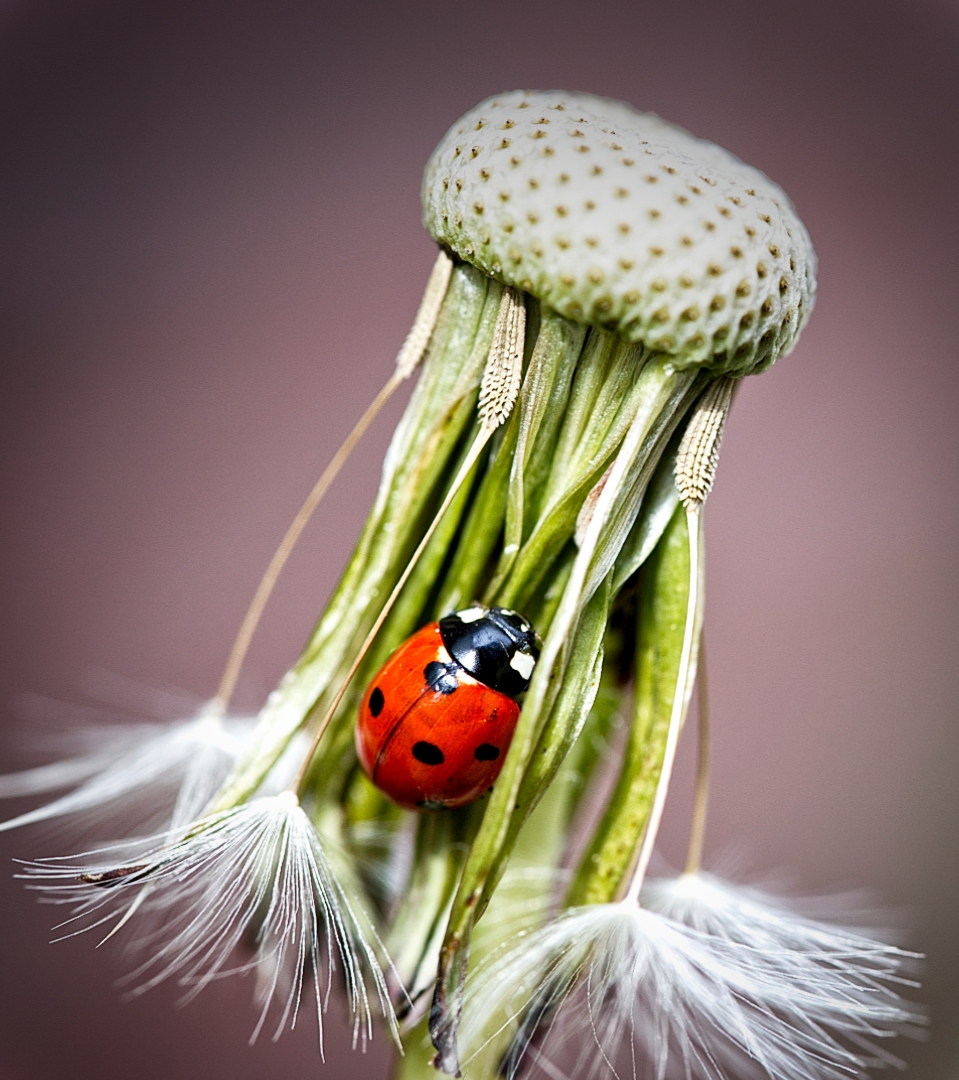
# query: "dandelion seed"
[[254, 877]]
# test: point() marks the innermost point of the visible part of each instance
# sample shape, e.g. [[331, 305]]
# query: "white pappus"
[[255, 878], [727, 983], [167, 771]]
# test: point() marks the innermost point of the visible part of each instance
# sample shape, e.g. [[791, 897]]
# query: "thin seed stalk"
[[482, 528]]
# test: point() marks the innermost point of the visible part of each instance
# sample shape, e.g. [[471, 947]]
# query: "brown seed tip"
[[698, 452]]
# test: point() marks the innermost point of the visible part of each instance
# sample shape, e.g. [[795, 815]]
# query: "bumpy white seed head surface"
[[615, 218]]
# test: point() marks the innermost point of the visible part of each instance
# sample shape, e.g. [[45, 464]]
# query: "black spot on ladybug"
[[428, 753], [377, 702], [440, 677], [486, 752]]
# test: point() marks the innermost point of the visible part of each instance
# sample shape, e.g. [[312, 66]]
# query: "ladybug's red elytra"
[[436, 722]]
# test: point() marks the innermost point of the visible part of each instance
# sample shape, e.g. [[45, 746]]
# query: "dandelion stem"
[[697, 830], [687, 672]]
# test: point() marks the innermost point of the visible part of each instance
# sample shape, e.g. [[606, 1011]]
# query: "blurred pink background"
[[210, 250]]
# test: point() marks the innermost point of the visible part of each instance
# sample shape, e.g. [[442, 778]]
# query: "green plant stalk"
[[369, 825], [661, 624], [482, 528], [659, 506], [591, 749], [608, 390], [542, 409], [663, 396], [415, 1062], [440, 849]]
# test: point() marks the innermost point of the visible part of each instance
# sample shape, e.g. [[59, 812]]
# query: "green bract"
[[617, 219]]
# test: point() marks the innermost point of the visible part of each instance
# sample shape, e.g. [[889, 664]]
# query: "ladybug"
[[436, 722]]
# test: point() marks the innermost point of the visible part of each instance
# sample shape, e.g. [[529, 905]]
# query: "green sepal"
[[370, 826], [659, 506], [610, 384], [540, 412], [442, 841]]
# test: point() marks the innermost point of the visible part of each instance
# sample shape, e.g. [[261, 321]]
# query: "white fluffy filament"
[[614, 985], [255, 878], [161, 768]]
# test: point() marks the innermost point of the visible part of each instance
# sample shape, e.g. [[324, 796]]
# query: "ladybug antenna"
[[498, 393], [410, 355]]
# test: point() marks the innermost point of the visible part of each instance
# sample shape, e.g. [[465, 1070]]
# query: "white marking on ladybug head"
[[471, 614], [523, 662]]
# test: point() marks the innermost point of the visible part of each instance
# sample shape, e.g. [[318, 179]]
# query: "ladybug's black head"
[[495, 645]]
